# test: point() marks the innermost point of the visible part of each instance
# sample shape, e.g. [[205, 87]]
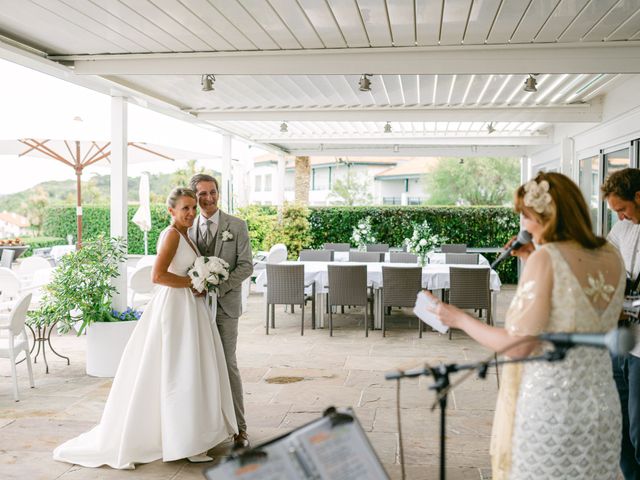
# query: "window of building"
[[320, 179], [258, 183], [267, 183]]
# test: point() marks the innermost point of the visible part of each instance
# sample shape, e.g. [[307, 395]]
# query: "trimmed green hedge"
[[475, 226], [61, 220]]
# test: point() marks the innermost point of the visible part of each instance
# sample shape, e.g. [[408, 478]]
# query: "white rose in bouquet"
[[207, 273]]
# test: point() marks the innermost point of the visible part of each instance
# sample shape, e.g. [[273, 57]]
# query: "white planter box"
[[105, 344]]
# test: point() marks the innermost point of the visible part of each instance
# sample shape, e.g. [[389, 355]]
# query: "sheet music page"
[[422, 312], [341, 452], [277, 465]]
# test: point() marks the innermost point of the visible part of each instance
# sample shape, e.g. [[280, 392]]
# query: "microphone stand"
[[441, 383]]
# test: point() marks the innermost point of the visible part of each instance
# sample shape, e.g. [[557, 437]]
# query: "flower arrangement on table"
[[207, 273], [362, 234], [125, 316], [423, 241]]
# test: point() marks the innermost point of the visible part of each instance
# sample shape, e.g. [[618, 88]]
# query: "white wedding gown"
[[170, 397]]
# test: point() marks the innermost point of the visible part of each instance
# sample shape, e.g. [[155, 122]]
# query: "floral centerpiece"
[[423, 240], [362, 234], [207, 273]]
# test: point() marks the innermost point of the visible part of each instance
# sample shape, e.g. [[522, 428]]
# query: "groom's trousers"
[[228, 329]]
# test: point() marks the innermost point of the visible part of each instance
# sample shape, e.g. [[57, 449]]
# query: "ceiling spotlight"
[[490, 128], [364, 84], [284, 128], [207, 81], [530, 84], [387, 128]]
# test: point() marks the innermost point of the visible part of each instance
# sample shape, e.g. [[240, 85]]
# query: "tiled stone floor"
[[344, 370]]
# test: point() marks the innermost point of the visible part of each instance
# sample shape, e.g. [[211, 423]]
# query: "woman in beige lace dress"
[[555, 420]]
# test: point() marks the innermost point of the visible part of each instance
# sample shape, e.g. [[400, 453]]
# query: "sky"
[[35, 105]]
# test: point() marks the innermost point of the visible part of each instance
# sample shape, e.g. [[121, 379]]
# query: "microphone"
[[618, 341], [523, 238]]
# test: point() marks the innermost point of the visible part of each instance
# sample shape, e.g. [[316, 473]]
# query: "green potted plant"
[[81, 291]]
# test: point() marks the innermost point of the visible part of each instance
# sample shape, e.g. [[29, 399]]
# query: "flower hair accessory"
[[537, 196]]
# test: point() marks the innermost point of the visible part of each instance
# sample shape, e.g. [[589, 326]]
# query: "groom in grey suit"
[[217, 234]]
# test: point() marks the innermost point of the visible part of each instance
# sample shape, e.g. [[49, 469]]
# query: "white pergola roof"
[[442, 70]]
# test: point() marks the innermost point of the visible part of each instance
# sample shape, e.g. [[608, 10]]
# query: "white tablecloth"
[[434, 276], [58, 251]]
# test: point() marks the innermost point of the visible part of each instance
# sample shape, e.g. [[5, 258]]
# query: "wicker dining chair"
[[470, 288], [400, 285], [454, 248], [308, 255], [348, 286], [403, 257], [337, 247], [461, 258], [286, 286], [7, 258], [366, 257], [378, 247]]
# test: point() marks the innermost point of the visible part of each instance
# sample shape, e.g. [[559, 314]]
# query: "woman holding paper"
[[555, 420]]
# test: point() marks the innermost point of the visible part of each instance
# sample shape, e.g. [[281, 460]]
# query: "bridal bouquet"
[[207, 273]]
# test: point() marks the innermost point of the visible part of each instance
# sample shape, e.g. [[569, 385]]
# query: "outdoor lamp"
[[387, 128], [530, 84], [364, 83], [207, 82], [284, 128], [490, 128]]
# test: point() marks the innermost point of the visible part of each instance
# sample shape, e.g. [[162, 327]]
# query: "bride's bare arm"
[[167, 251]]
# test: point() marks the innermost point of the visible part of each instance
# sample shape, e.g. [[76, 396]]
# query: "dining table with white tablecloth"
[[432, 257], [434, 277]]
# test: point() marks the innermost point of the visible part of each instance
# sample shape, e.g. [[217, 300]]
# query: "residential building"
[[13, 225], [385, 180]]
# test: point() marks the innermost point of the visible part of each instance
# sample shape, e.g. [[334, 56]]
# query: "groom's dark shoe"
[[241, 440]]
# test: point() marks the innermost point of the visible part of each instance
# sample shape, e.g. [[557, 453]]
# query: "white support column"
[[566, 157], [119, 190], [525, 166], [279, 180], [226, 186]]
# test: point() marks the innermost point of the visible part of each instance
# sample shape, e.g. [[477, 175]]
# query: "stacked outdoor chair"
[[454, 248], [461, 258], [403, 257], [378, 247], [337, 247], [316, 255], [366, 257], [286, 286]]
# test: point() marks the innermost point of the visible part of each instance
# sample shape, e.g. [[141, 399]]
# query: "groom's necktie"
[[208, 237]]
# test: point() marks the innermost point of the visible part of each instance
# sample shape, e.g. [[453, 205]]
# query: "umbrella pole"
[[146, 243], [79, 207]]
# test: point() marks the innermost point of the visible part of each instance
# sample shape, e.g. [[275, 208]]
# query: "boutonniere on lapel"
[[227, 235]]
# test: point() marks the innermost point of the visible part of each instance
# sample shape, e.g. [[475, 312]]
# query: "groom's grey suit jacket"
[[236, 252]]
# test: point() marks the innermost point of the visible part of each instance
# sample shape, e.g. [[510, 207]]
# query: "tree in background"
[[352, 190], [35, 207], [182, 176], [475, 181]]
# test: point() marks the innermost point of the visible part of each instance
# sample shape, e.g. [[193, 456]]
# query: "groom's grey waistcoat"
[[235, 251]]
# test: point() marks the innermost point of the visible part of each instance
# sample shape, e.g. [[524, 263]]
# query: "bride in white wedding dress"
[[170, 397]]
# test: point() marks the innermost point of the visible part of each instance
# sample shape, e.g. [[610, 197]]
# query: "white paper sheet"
[[422, 311]]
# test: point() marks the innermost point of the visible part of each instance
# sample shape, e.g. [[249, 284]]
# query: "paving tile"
[[345, 370]]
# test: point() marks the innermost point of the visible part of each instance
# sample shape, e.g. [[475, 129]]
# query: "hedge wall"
[[475, 226], [61, 221]]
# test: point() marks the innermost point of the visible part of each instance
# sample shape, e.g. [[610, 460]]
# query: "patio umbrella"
[[142, 217], [79, 154]]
